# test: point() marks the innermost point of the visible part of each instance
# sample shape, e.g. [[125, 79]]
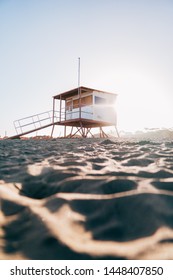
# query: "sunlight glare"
[[142, 104]]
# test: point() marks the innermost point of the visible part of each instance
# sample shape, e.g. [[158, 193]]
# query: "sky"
[[125, 46]]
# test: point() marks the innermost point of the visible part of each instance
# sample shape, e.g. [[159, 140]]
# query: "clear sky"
[[125, 46]]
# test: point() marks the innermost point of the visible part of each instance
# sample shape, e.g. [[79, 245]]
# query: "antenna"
[[78, 76], [78, 71]]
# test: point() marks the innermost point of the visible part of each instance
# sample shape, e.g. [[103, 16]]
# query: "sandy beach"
[[86, 199]]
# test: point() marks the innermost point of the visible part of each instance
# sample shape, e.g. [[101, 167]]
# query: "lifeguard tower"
[[81, 109], [85, 108]]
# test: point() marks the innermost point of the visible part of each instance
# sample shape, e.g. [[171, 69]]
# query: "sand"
[[86, 199]]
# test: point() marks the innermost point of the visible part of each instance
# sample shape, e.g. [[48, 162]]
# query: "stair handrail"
[[17, 123]]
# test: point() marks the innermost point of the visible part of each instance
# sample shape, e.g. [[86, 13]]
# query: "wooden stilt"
[[78, 130], [91, 133], [117, 132], [71, 131], [87, 131], [65, 131], [52, 130]]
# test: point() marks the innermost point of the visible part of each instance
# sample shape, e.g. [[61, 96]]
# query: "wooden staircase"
[[34, 123]]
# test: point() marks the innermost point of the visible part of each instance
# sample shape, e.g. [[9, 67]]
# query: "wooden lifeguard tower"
[[81, 109], [85, 108]]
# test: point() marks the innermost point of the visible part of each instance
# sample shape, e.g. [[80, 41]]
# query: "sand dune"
[[86, 199]]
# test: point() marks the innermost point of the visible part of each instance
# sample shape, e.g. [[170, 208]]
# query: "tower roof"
[[73, 92]]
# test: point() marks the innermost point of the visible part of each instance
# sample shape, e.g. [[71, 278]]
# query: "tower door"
[[69, 108]]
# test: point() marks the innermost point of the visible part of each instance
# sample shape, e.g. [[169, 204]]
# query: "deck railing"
[[37, 121]]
